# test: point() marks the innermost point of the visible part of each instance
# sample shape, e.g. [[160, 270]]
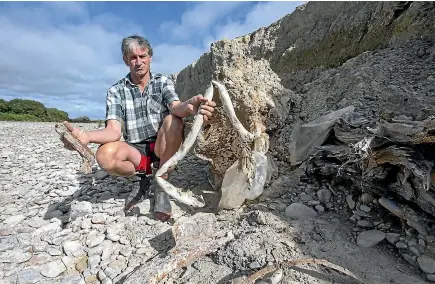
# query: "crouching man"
[[149, 108]]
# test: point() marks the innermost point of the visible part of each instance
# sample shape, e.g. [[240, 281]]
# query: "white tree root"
[[177, 193], [271, 268]]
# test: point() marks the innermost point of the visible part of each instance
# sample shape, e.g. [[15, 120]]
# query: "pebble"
[[426, 264], [365, 208], [393, 238], [324, 196], [350, 202], [29, 275], [53, 269], [319, 208], [366, 198], [299, 211], [370, 238], [364, 224]]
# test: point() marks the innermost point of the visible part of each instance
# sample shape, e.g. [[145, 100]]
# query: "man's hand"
[[81, 135], [207, 108]]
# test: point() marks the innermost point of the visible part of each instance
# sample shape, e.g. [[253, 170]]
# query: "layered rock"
[[377, 56]]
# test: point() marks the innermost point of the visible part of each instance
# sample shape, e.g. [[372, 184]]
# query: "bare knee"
[[106, 155]]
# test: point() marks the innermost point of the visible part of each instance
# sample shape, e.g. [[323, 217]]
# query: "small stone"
[[82, 264], [393, 238], [80, 208], [73, 248], [305, 197], [101, 275], [350, 202], [430, 277], [299, 211], [123, 240], [101, 174], [90, 279], [53, 269], [95, 241], [113, 237], [324, 195], [106, 280], [365, 208], [313, 203], [107, 249], [414, 250], [370, 238], [319, 208], [421, 243], [68, 261], [401, 245], [426, 264], [93, 261], [29, 275], [366, 198], [99, 218], [364, 224]]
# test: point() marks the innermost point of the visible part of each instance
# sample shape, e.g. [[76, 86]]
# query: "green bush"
[[29, 110], [18, 117]]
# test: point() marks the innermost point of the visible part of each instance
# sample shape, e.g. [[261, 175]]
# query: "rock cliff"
[[376, 56]]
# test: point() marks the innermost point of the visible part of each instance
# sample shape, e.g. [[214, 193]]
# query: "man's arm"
[[183, 109], [111, 133]]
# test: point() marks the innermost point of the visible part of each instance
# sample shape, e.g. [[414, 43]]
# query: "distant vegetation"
[[29, 110]]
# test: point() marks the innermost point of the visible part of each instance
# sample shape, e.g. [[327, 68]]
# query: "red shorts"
[[148, 156]]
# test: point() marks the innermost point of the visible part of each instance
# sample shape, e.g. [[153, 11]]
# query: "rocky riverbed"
[[60, 226]]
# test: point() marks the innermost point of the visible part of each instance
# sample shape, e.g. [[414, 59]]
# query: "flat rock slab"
[[370, 238]]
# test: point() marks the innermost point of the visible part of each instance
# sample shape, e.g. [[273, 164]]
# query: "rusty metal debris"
[[195, 236], [86, 153]]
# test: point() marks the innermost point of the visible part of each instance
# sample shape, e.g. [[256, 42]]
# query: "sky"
[[67, 54]]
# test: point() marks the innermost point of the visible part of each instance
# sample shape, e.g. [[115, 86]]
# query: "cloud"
[[64, 56], [262, 14], [68, 65], [197, 21]]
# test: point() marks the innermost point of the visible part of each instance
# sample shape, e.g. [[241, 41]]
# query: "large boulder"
[[376, 56]]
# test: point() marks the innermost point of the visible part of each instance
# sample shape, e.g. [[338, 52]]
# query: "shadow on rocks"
[[110, 193]]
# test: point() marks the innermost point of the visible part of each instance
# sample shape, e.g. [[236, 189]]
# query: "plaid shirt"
[[140, 114]]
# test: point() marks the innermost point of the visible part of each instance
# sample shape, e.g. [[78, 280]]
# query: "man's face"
[[138, 61]]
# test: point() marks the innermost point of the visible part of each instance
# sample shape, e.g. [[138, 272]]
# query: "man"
[[151, 112]]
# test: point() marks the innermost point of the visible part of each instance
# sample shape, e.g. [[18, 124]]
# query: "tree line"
[[30, 110]]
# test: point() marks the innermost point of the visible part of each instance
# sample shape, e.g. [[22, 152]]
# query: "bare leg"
[[169, 138], [168, 142], [118, 158]]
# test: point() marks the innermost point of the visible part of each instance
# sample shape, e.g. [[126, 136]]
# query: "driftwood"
[[86, 153], [392, 160], [289, 263], [195, 236], [187, 197]]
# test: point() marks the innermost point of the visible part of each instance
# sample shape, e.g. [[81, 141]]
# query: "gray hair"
[[135, 41]]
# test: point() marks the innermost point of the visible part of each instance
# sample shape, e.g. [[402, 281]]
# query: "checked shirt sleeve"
[[168, 91], [113, 106]]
